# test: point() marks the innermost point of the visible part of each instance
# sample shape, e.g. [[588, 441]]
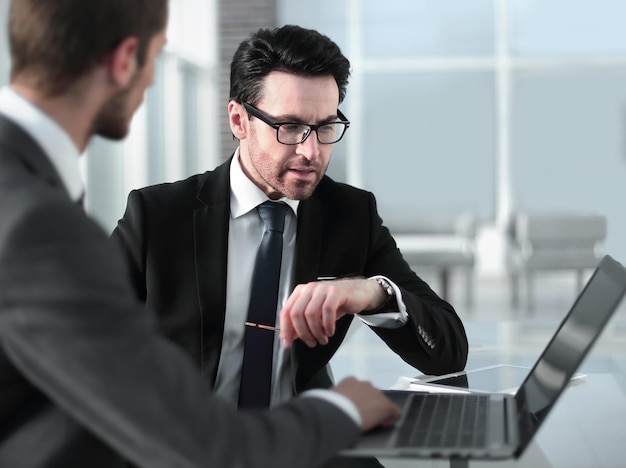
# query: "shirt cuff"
[[388, 319], [340, 401]]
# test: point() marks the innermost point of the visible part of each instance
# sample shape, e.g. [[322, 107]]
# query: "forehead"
[[286, 92]]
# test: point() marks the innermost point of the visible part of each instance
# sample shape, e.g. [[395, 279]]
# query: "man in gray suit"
[[85, 379]]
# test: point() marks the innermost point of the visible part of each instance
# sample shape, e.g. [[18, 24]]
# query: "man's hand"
[[374, 407], [312, 309]]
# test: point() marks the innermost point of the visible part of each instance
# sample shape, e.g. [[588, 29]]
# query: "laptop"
[[500, 425]]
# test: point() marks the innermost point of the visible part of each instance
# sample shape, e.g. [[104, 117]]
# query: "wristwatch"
[[388, 289], [385, 285]]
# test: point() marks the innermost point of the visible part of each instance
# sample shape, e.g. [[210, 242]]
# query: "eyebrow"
[[288, 118]]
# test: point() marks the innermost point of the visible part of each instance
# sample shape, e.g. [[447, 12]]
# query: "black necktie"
[[256, 372]]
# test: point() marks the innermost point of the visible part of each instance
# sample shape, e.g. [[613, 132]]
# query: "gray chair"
[[552, 242], [442, 245]]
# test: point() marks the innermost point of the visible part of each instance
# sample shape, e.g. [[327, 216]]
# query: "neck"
[[71, 113]]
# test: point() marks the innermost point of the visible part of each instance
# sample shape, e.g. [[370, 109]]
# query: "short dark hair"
[[291, 49], [56, 42]]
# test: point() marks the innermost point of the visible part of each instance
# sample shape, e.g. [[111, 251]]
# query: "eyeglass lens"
[[292, 134]]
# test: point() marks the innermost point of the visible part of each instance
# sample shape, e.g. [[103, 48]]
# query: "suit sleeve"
[[128, 236], [433, 340], [70, 325]]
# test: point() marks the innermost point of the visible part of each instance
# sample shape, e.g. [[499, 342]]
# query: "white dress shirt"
[[244, 236], [56, 143]]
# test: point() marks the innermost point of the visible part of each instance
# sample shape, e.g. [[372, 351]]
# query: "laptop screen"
[[569, 345]]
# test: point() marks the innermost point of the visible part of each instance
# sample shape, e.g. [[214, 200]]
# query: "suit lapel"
[[308, 364], [309, 241], [211, 222], [20, 143]]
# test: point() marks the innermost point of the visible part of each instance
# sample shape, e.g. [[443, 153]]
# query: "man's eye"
[[293, 128]]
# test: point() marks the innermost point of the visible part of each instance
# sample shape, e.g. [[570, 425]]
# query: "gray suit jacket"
[[85, 379]]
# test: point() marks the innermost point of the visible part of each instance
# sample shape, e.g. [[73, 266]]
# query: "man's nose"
[[310, 148]]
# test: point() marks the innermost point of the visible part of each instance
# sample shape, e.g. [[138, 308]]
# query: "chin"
[[300, 193], [114, 136], [115, 132]]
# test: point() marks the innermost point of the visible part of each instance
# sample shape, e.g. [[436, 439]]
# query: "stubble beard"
[[112, 122], [270, 178], [277, 180]]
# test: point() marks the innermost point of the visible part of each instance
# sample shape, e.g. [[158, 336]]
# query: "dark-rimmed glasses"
[[292, 133]]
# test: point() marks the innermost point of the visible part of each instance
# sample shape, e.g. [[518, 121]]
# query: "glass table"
[[587, 426]]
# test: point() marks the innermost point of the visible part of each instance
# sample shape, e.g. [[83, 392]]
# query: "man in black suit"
[[85, 378], [191, 245]]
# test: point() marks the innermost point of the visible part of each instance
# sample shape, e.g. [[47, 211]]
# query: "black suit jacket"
[[175, 237], [86, 380]]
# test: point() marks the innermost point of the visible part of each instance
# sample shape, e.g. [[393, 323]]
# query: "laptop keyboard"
[[444, 420]]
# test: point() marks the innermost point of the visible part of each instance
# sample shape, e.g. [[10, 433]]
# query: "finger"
[[396, 413], [298, 320], [313, 315], [302, 330], [330, 312], [287, 330], [391, 414]]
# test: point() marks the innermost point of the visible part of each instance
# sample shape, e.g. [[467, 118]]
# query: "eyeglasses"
[[292, 133]]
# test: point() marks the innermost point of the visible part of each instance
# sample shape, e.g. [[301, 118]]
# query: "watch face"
[[385, 285]]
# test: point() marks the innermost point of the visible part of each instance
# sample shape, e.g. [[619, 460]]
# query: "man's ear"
[[238, 121], [122, 62]]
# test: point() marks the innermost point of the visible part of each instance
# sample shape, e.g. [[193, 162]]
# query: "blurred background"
[[491, 131], [480, 107], [465, 115]]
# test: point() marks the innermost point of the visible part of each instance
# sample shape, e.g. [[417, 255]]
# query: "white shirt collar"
[[55, 142], [245, 196]]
